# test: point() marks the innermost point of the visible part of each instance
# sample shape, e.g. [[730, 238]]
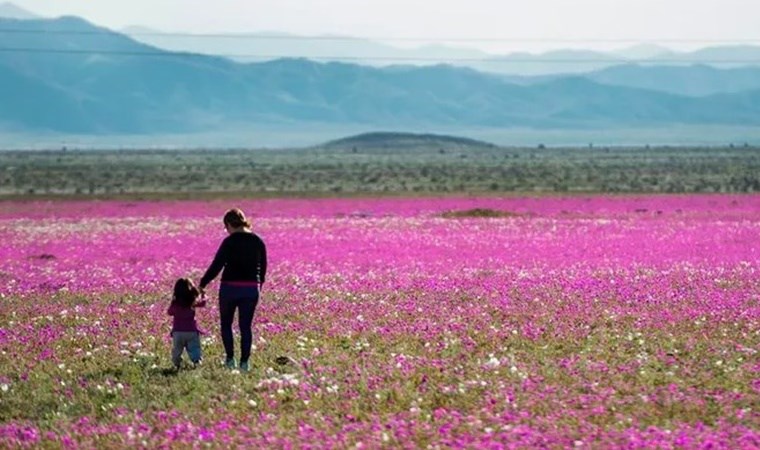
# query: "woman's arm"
[[262, 262], [216, 266]]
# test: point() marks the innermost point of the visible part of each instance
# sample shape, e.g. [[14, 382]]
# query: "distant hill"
[[381, 140], [94, 80], [564, 62], [11, 11], [723, 56], [687, 80], [643, 51], [552, 62], [266, 46], [694, 80], [257, 47]]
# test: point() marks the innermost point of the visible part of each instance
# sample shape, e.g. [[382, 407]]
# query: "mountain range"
[[264, 46], [256, 47], [583, 61], [695, 80], [68, 75]]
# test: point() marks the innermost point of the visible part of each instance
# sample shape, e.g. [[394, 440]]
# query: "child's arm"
[[172, 309]]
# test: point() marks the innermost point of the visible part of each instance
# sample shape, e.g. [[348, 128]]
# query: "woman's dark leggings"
[[246, 309]]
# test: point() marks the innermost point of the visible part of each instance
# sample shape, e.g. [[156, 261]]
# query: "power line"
[[253, 56], [289, 37]]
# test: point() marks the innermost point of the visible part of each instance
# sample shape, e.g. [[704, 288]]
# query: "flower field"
[[586, 322]]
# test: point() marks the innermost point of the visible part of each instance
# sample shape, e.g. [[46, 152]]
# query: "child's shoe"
[[229, 363], [244, 366]]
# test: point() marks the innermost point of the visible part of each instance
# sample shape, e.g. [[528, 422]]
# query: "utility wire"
[[289, 37]]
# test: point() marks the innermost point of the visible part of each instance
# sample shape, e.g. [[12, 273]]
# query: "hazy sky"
[[554, 20]]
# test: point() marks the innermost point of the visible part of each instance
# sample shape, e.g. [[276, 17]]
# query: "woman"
[[243, 257]]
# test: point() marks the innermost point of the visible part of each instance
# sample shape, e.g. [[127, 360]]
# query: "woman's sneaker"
[[244, 366], [229, 363]]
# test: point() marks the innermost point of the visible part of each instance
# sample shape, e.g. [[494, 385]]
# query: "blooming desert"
[[511, 322]]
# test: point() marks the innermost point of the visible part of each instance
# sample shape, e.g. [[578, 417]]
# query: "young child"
[[185, 332]]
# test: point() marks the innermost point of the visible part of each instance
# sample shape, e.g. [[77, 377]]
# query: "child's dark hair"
[[185, 292]]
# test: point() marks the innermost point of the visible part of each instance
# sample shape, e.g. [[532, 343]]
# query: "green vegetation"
[[477, 212], [379, 167]]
